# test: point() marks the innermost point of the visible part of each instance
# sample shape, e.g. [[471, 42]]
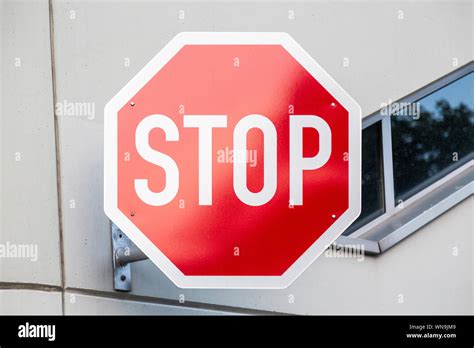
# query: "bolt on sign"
[[232, 160]]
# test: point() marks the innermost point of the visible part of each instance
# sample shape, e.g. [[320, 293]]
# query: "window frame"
[[395, 225], [356, 225]]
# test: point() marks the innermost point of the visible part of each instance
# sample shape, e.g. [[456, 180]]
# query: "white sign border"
[[110, 160]]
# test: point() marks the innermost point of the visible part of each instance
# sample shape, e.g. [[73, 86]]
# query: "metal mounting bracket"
[[124, 252]]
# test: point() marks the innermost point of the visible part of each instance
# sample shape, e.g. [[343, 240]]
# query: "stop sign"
[[232, 160]]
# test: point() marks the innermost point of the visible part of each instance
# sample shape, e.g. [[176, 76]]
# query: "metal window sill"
[[409, 219]]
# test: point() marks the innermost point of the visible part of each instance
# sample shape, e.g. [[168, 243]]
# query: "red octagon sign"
[[232, 160]]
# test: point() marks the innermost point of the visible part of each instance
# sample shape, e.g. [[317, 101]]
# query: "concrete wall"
[[51, 179]]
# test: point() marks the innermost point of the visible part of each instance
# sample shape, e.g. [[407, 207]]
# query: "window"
[[417, 161], [437, 141]]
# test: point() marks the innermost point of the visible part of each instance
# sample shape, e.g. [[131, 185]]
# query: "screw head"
[[333, 105], [333, 216], [132, 103]]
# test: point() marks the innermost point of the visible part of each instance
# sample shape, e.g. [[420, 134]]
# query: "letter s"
[[151, 155]]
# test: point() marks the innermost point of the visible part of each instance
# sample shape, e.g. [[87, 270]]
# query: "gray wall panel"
[[81, 304], [28, 174], [29, 302]]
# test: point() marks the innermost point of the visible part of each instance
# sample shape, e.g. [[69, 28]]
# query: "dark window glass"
[[372, 177], [436, 141]]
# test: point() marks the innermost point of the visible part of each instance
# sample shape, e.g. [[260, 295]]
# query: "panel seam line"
[[57, 150]]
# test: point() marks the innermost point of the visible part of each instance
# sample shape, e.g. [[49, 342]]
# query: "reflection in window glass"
[[372, 177], [436, 141]]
